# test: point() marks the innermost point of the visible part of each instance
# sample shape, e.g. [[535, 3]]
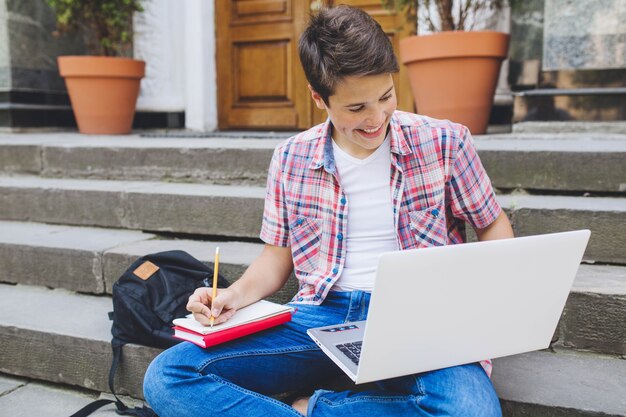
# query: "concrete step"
[[89, 260], [236, 211], [63, 337], [51, 344], [572, 126], [67, 257], [233, 211], [562, 384], [604, 216], [132, 157], [566, 162], [574, 162], [594, 317]]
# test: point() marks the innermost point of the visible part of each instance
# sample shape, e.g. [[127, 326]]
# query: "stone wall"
[[30, 49], [526, 47], [568, 60], [5, 73], [32, 93], [583, 35]]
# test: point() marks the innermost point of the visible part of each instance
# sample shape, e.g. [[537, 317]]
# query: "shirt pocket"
[[305, 236], [429, 226]]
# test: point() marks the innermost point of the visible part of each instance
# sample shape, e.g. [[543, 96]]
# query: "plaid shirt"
[[437, 183]]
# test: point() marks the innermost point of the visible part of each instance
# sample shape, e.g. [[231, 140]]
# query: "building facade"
[[233, 64]]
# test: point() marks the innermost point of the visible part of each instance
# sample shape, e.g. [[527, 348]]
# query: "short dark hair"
[[343, 41]]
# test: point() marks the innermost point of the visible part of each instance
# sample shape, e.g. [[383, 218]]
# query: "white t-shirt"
[[371, 230]]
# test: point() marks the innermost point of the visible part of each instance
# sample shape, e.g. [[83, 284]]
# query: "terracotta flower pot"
[[103, 91], [453, 75]]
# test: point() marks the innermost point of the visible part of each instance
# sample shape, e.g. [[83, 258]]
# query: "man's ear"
[[319, 101]]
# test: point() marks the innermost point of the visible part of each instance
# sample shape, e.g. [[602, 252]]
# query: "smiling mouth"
[[371, 133]]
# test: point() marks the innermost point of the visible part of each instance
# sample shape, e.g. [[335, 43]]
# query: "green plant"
[[106, 24], [450, 14]]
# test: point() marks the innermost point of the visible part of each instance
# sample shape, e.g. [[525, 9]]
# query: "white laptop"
[[444, 306]]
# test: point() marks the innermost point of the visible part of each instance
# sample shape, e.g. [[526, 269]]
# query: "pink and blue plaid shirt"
[[437, 184]]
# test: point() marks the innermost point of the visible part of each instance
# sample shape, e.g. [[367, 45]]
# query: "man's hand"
[[266, 275], [223, 307]]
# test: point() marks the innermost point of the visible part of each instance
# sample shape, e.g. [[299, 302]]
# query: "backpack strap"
[[122, 409], [117, 356]]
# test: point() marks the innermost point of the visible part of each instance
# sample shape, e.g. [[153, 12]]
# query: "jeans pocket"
[[429, 226], [305, 236]]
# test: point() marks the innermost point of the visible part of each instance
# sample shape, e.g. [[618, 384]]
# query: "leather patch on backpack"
[[146, 270]]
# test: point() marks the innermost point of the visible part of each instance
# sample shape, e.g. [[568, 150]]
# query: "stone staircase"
[[76, 210]]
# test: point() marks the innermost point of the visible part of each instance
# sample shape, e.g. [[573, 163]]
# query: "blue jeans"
[[237, 378]]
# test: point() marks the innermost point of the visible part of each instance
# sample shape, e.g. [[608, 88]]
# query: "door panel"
[[264, 58], [256, 10]]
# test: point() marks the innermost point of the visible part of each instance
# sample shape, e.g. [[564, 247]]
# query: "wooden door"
[[260, 83]]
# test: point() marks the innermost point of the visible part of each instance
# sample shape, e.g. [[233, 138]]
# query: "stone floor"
[[22, 397]]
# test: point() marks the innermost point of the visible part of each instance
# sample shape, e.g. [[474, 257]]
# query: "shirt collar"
[[323, 152], [399, 144]]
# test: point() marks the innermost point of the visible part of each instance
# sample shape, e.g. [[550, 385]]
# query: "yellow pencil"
[[215, 267]]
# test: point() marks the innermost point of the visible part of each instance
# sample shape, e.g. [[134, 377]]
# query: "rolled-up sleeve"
[[275, 227], [472, 196]]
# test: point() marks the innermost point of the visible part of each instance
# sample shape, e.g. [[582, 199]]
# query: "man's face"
[[360, 110]]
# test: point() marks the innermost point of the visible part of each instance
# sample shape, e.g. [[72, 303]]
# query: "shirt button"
[[340, 236], [435, 212], [343, 200], [300, 221], [300, 298], [335, 270]]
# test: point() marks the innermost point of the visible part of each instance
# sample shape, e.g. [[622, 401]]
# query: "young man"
[[369, 180]]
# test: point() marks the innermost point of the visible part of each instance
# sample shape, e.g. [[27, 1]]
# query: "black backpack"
[[151, 293]]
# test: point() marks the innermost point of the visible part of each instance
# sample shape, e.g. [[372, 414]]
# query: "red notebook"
[[251, 319]]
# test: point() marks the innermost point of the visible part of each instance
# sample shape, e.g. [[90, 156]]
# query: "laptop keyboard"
[[351, 350]]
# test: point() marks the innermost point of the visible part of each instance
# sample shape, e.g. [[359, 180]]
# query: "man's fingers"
[[202, 294], [199, 300], [202, 307], [202, 319], [216, 308], [205, 321], [197, 307], [224, 316]]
